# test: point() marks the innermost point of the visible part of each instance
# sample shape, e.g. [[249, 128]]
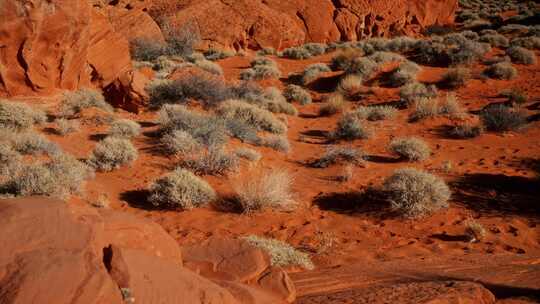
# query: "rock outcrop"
[[71, 253], [59, 44]]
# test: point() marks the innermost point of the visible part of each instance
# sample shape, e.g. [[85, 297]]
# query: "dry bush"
[[349, 127], [181, 189], [249, 154], [415, 193], [270, 98], [382, 57], [19, 116], [10, 162], [281, 254], [404, 74], [455, 78], [181, 41], [260, 72], [261, 189], [500, 118], [495, 40], [375, 113], [112, 153], [278, 143], [466, 131], [214, 161], [124, 128], [146, 49], [216, 54], [531, 42], [343, 59], [450, 106], [521, 55], [312, 72], [415, 91], [180, 142], [362, 67], [75, 102], [333, 104], [515, 96], [315, 49], [296, 53], [209, 66], [34, 143], [474, 231], [252, 115], [410, 148], [339, 155], [296, 93], [266, 51], [66, 126], [350, 85], [501, 70], [425, 108]]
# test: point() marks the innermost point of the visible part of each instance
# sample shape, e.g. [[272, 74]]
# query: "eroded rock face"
[[46, 45], [70, 253], [277, 23]]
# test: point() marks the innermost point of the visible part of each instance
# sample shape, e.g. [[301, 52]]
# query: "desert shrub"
[[349, 127], [362, 67], [530, 42], [431, 52], [146, 49], [500, 118], [515, 96], [180, 142], [296, 93], [313, 71], [10, 161], [415, 91], [214, 161], [385, 57], [334, 103], [215, 54], [404, 74], [315, 49], [495, 40], [252, 115], [34, 143], [521, 55], [410, 148], [501, 70], [19, 116], [401, 44], [182, 40], [415, 193], [111, 153], [75, 102], [467, 52], [181, 189], [374, 113], [278, 143], [450, 106], [249, 154], [281, 254], [455, 78], [207, 130], [207, 90], [350, 85], [335, 155], [209, 66], [270, 99], [343, 59], [425, 108], [275, 102], [296, 53], [65, 126], [242, 131], [513, 29], [262, 61], [474, 231], [266, 51], [124, 128], [262, 189], [260, 72], [466, 131]]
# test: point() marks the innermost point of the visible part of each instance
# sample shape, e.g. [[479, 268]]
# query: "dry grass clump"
[[278, 143], [404, 74], [521, 55], [180, 142], [474, 231], [410, 148], [385, 57], [124, 128], [281, 254], [455, 78], [249, 154], [501, 70], [252, 115], [501, 118], [31, 143], [515, 96], [75, 102], [181, 189], [261, 189], [349, 127], [312, 72], [19, 116], [415, 193], [412, 92], [266, 51], [209, 66], [335, 155], [308, 50], [10, 162], [425, 108], [214, 161], [343, 59], [112, 153], [466, 131], [261, 68], [531, 42], [297, 93], [350, 85], [333, 104], [362, 67], [375, 113], [66, 126], [217, 54], [495, 40]]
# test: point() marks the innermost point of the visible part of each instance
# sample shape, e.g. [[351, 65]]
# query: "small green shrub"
[[281, 254], [124, 128], [410, 148], [181, 189], [111, 153], [75, 102], [415, 193], [500, 118], [296, 93]]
